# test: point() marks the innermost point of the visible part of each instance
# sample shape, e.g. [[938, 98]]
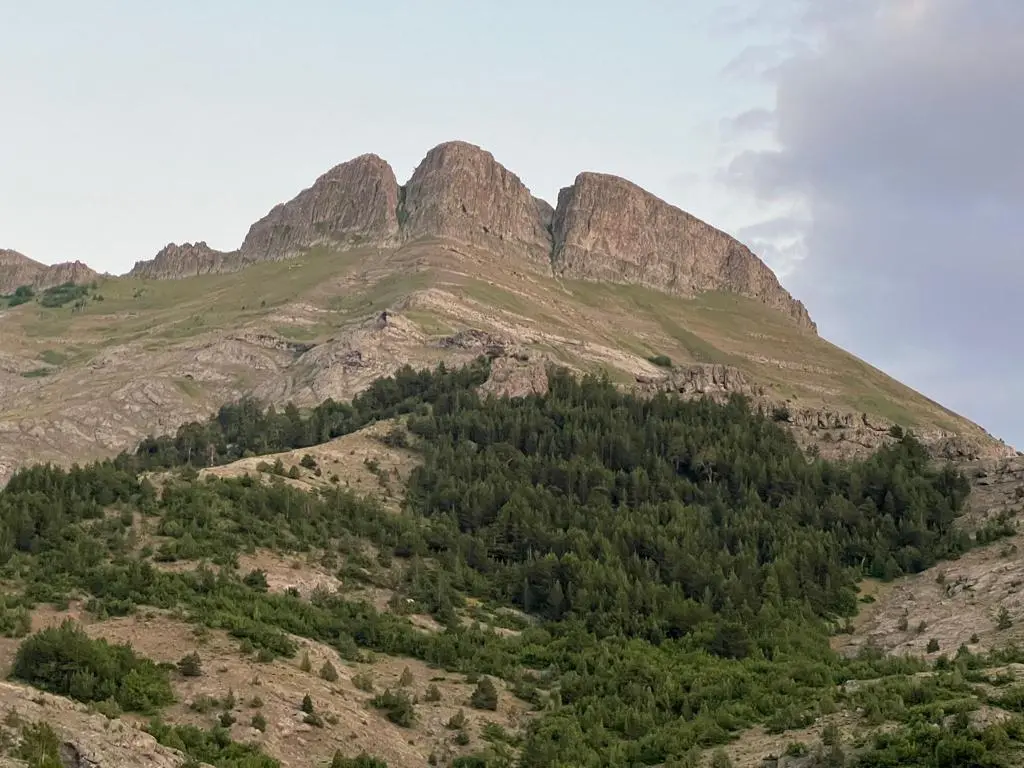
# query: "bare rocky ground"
[[956, 602], [79, 385], [275, 691], [361, 462]]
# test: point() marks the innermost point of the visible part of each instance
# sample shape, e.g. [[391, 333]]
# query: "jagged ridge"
[[604, 227], [17, 270]]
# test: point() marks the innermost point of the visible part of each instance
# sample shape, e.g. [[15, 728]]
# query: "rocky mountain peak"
[[17, 269], [460, 192], [175, 260], [604, 227], [354, 202], [607, 228]]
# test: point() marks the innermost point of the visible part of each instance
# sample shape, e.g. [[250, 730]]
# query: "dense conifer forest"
[[683, 564]]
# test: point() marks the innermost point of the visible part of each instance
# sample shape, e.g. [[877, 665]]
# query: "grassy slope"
[[312, 298]]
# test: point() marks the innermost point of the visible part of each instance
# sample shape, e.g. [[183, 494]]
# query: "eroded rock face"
[[607, 228], [355, 202], [17, 270], [185, 260], [460, 192], [714, 380]]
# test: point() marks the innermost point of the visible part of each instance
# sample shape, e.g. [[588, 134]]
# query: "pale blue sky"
[[129, 125], [867, 149]]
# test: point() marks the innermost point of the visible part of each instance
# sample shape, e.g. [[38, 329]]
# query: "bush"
[[256, 579], [40, 746], [362, 760], [1003, 621], [485, 696], [933, 645], [662, 361], [66, 661], [308, 462], [307, 704], [190, 665], [433, 693], [328, 672], [363, 681], [259, 722], [397, 706]]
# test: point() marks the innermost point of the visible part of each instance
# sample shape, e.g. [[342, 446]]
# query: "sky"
[[869, 151]]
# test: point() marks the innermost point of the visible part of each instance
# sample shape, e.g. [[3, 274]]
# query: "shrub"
[[485, 696], [362, 760], [328, 672], [307, 704], [306, 665], [662, 361], [256, 579], [406, 679], [259, 722], [190, 665], [397, 706], [308, 462], [66, 661], [433, 693], [933, 645], [1003, 620], [363, 681]]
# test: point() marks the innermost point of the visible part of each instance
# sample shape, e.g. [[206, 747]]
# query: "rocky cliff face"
[[355, 202], [606, 228], [460, 192], [17, 270], [182, 261]]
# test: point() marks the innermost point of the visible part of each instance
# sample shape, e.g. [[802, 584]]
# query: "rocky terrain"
[[357, 276], [17, 270], [604, 228]]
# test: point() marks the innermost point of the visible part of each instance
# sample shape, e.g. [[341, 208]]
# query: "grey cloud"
[[752, 121], [903, 134]]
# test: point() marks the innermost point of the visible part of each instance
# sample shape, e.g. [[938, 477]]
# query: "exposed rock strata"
[[607, 228], [185, 260], [17, 270], [604, 228], [353, 203], [460, 192]]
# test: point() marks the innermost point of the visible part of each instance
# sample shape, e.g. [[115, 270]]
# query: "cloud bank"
[[898, 151]]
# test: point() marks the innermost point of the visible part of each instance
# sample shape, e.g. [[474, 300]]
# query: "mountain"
[[604, 228], [17, 270], [357, 275], [413, 569]]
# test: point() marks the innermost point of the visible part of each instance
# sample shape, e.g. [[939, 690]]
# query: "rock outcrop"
[[460, 192], [185, 260], [607, 228], [353, 203], [17, 270], [604, 228]]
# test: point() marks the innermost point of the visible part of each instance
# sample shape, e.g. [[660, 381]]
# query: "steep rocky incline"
[[460, 192], [604, 228], [183, 260], [353, 203], [607, 228], [17, 270]]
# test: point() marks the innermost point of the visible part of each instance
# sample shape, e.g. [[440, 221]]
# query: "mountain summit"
[[603, 228], [358, 275]]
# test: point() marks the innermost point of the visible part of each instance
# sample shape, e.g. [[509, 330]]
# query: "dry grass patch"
[[361, 461]]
